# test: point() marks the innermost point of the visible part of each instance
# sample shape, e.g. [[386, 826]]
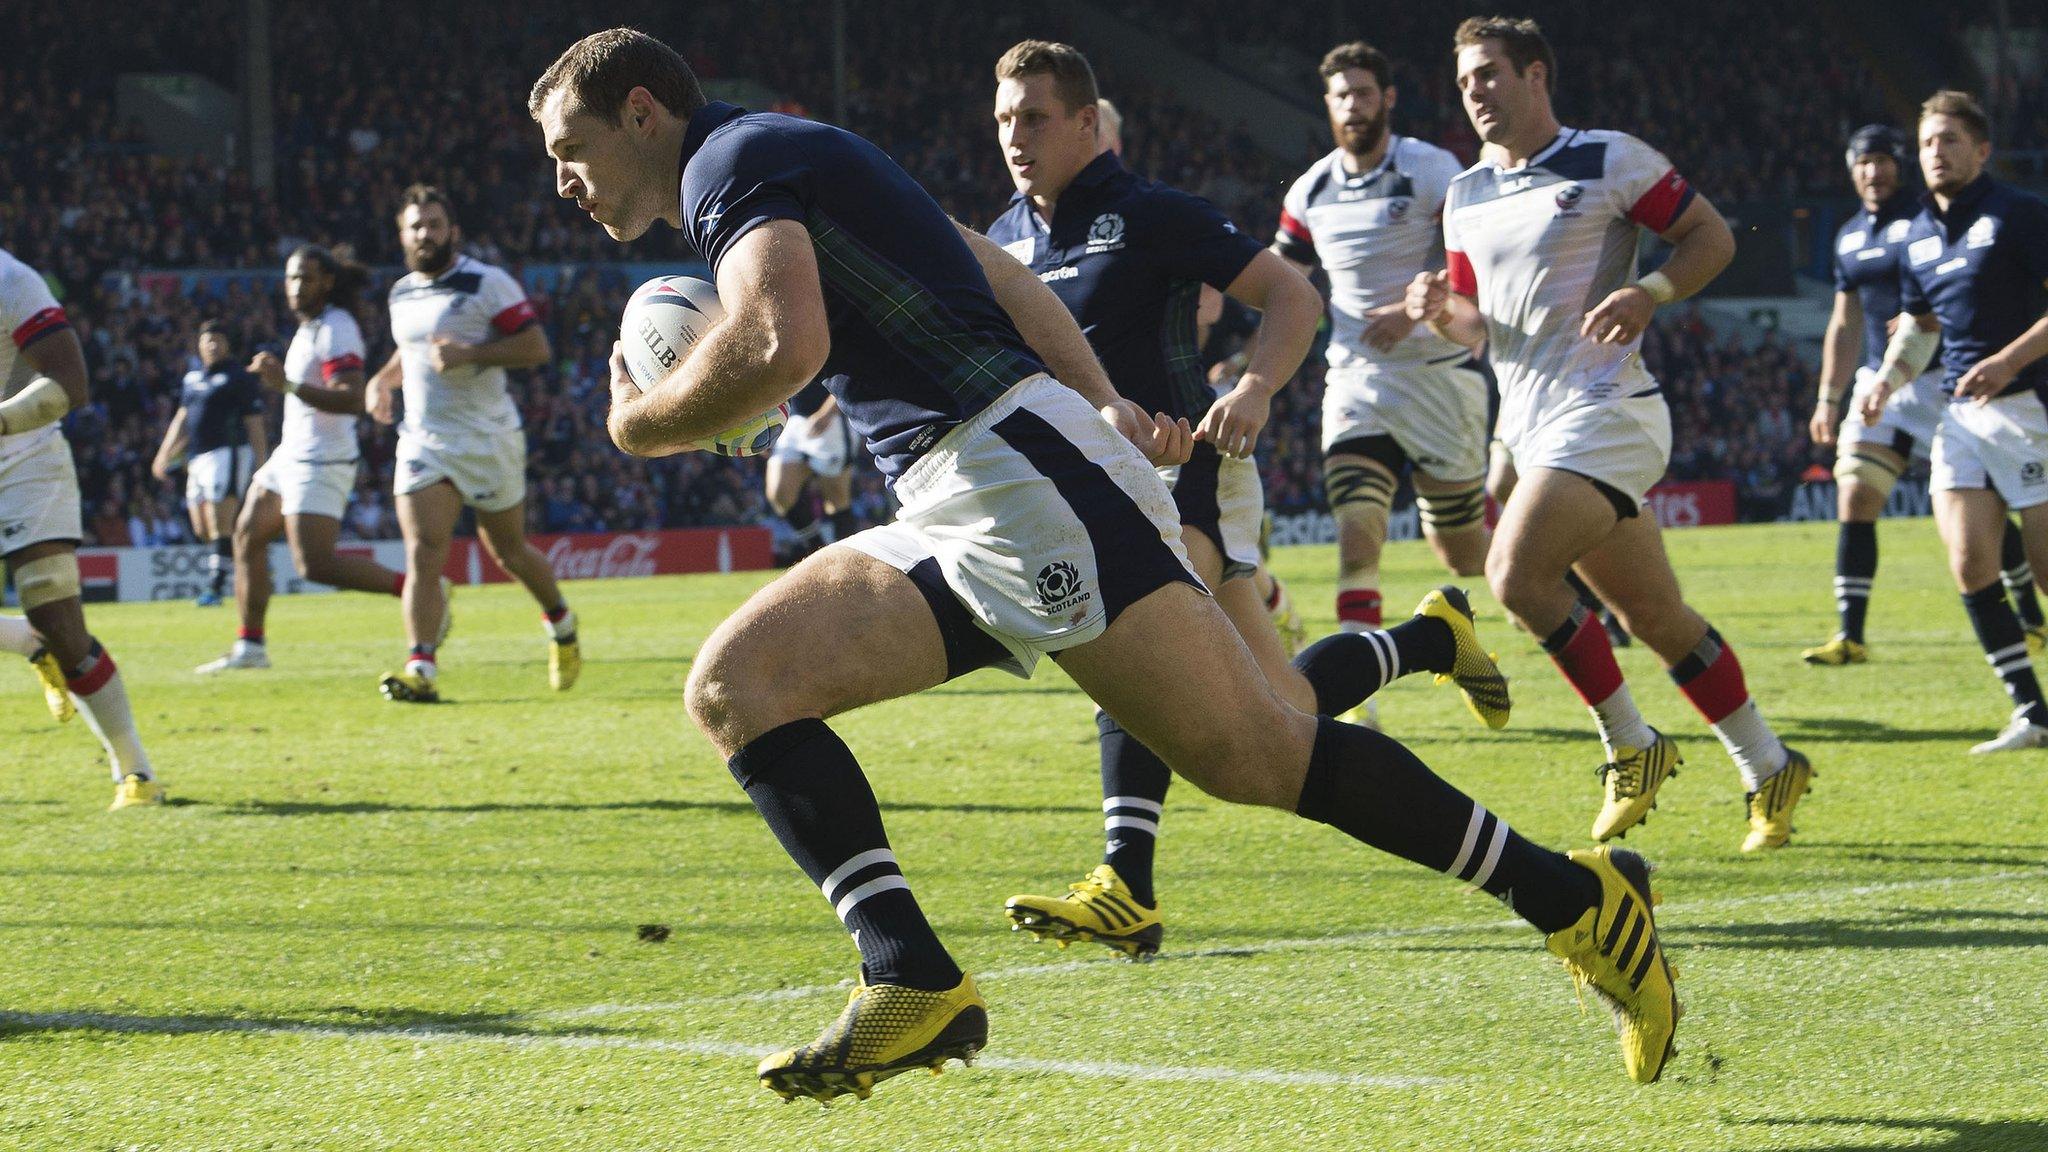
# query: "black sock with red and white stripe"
[[806, 784], [1582, 651], [1373, 789], [1711, 677], [1346, 668]]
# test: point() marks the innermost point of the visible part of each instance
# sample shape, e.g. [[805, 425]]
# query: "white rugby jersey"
[[1372, 233], [470, 303], [323, 348], [28, 312], [1540, 246]]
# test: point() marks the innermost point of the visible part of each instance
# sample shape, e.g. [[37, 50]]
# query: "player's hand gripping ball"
[[663, 319]]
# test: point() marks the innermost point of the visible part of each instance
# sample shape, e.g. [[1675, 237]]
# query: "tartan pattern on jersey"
[[915, 322], [1182, 354]]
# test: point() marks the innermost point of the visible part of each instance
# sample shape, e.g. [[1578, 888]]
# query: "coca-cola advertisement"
[[609, 555]]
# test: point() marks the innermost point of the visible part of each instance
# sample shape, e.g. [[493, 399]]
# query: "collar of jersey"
[[1544, 153], [1092, 176], [702, 122], [1386, 163], [1902, 206], [1962, 203]]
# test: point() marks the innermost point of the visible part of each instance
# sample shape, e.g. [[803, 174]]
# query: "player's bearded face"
[[428, 238], [1359, 110]]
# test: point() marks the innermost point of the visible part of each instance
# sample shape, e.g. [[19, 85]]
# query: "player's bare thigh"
[[836, 632], [1176, 675], [427, 517], [1632, 574], [1856, 500], [1247, 613], [503, 531], [836, 491], [1972, 524], [1552, 519], [261, 520], [1461, 549]]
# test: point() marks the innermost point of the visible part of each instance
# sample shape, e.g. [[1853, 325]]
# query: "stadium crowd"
[[375, 95]]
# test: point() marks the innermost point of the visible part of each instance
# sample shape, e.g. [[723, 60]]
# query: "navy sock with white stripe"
[[1855, 571], [1346, 668], [1373, 789], [2005, 648], [806, 784], [2019, 576], [1134, 783]]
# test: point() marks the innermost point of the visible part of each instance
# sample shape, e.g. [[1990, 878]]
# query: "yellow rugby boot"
[[135, 792], [1770, 807], [1100, 909], [1288, 622], [565, 664], [1613, 950], [1837, 652], [2037, 638], [1632, 779], [409, 687], [1476, 673], [886, 1029], [56, 693]]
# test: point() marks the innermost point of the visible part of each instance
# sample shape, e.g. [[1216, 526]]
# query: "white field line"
[[1817, 897], [146, 1025]]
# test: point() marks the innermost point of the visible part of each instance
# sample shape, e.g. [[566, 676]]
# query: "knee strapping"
[[1358, 486], [47, 580], [1869, 471], [1452, 511]]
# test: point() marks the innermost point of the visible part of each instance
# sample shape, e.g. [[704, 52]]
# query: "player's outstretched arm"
[[1837, 365], [1042, 320], [1702, 245], [1914, 338], [173, 447], [773, 341]]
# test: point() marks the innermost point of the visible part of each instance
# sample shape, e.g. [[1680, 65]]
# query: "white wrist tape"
[[1908, 354], [42, 402], [1659, 286]]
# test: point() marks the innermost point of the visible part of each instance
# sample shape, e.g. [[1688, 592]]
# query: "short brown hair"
[[421, 195], [1357, 54], [1519, 37], [602, 69], [1073, 81], [1959, 106]]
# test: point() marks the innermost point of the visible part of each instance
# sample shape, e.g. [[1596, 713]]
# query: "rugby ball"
[[664, 317]]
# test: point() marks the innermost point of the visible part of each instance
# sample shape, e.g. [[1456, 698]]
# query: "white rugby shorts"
[[39, 498], [1436, 413], [1906, 425], [1623, 444], [2001, 445], [489, 471], [826, 446], [218, 474], [307, 488], [1039, 520]]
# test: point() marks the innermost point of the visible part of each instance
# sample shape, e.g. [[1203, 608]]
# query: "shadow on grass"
[[342, 1020], [725, 807], [1850, 730], [1964, 1135], [1934, 852], [1899, 928]]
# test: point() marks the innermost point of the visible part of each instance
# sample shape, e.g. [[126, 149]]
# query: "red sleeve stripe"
[[346, 362], [1661, 206], [1295, 229], [1463, 280], [40, 325], [517, 318]]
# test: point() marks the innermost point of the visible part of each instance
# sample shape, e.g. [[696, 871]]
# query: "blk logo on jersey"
[[1059, 586], [1106, 234]]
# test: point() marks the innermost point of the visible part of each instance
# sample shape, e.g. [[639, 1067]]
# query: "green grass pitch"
[[368, 926]]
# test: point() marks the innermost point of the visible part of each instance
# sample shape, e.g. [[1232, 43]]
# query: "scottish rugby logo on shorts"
[[1059, 587], [1106, 234]]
